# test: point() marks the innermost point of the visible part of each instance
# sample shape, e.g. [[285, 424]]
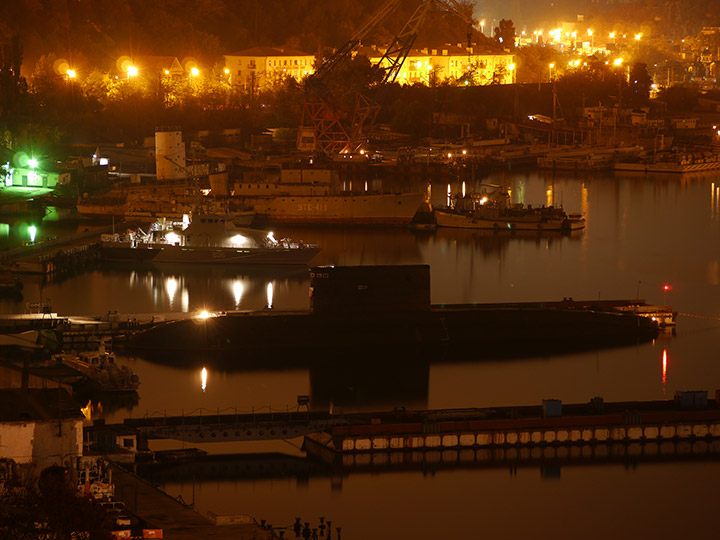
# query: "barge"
[[381, 306]]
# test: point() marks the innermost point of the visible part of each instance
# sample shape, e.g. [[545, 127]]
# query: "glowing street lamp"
[[511, 69], [32, 163], [637, 38], [552, 66], [618, 61], [132, 71], [71, 73], [482, 27], [194, 71]]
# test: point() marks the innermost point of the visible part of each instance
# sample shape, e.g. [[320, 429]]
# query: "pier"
[[179, 521], [690, 416]]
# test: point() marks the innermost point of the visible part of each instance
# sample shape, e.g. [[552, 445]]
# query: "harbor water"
[[655, 238]]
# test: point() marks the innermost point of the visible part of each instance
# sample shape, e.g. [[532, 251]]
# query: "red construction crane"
[[331, 128]]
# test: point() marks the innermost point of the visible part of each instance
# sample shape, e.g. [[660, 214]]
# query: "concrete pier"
[[178, 521]]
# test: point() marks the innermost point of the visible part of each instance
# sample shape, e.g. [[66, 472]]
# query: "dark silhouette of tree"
[[505, 34], [639, 82], [49, 509], [12, 84]]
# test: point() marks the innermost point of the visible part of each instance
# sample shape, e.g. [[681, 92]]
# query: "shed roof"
[[269, 51], [37, 404]]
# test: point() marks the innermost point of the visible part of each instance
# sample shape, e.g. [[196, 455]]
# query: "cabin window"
[[129, 443]]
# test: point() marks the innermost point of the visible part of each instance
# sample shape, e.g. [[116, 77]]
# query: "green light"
[[32, 163], [31, 231]]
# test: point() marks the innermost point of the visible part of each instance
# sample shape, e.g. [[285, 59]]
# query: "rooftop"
[[269, 51], [37, 404]]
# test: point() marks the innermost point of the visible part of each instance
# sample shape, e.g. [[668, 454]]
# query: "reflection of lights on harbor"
[[32, 230], [463, 189], [714, 201], [203, 379], [449, 195], [549, 194], [185, 301], [664, 368], [237, 292], [270, 295], [205, 315], [171, 288]]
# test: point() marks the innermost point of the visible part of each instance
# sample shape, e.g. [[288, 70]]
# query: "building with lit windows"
[[260, 67], [476, 65]]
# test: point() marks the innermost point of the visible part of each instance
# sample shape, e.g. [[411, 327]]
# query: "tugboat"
[[494, 211], [99, 370]]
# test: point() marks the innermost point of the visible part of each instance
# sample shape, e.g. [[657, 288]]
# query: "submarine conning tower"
[[370, 289]]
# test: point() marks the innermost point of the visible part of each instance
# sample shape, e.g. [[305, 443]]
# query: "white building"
[[40, 426], [259, 67], [476, 65]]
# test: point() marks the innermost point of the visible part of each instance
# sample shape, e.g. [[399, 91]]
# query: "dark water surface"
[[642, 233]]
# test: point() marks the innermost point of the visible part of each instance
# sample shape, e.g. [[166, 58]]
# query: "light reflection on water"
[[639, 229]]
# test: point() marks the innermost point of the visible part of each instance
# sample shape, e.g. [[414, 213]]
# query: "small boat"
[[204, 238], [494, 212], [99, 369]]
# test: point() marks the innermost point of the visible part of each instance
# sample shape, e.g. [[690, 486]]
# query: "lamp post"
[[552, 66], [637, 39]]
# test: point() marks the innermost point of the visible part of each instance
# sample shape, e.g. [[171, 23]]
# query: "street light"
[[482, 27], [552, 66], [70, 73], [618, 61], [132, 71], [194, 71], [637, 38]]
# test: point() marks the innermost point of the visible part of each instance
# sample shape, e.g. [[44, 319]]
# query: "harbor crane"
[[331, 128]]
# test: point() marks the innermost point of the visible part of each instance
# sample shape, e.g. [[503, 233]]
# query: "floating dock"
[[689, 417]]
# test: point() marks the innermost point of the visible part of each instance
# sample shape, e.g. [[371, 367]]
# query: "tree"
[[639, 85], [12, 84], [505, 34]]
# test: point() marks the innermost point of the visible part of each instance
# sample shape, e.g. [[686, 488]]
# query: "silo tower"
[[169, 153]]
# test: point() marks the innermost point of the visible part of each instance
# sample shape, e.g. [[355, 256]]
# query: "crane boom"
[[325, 124]]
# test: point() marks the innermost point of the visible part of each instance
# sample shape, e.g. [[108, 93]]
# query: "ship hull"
[[511, 223], [380, 209], [206, 255]]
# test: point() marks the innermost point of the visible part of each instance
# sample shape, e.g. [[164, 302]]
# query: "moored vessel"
[[494, 212], [204, 238]]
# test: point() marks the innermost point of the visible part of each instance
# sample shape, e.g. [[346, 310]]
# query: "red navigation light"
[[666, 288]]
